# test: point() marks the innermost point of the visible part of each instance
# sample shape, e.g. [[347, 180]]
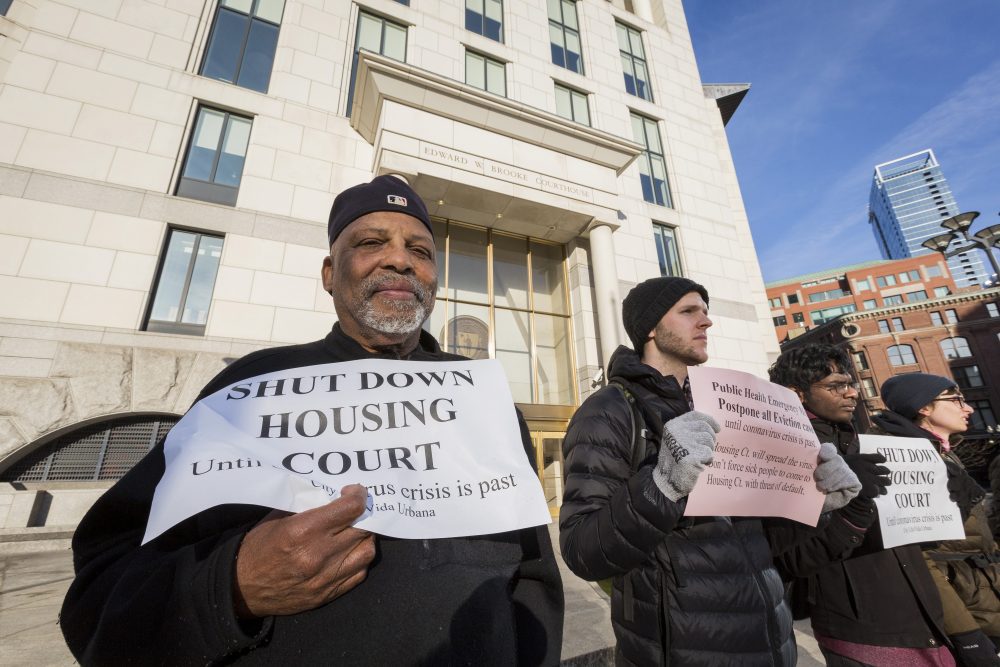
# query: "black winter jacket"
[[882, 597], [687, 591], [485, 600]]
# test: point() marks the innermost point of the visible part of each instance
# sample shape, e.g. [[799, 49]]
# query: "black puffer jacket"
[[686, 591]]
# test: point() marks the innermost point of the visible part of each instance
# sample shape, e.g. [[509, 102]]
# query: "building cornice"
[[881, 313], [380, 79]]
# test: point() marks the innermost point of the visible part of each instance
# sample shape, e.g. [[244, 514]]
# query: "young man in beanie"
[[685, 591], [878, 606], [932, 408], [240, 583]]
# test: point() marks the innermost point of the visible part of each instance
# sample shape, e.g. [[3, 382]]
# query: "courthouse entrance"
[[549, 459]]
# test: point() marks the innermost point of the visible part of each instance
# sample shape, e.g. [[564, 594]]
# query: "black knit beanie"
[[906, 394], [383, 193], [649, 301]]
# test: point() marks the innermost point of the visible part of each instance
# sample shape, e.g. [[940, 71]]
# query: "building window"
[[901, 355], [860, 360], [885, 281], [897, 324], [869, 386], [992, 310], [827, 296], [4, 6], [775, 302], [798, 317], [95, 452], [941, 291], [933, 271], [633, 62], [780, 320], [883, 326], [485, 73], [241, 46], [793, 299], [183, 291], [951, 316], [485, 17], [380, 36], [936, 318], [955, 348], [652, 165], [564, 35], [827, 314], [862, 284], [982, 415], [967, 377], [666, 250], [919, 295], [521, 316], [894, 300], [869, 304], [213, 166], [572, 104]]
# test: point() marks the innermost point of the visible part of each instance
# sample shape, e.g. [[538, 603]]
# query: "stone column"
[[643, 9], [606, 298]]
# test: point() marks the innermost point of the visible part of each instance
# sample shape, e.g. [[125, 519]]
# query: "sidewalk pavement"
[[33, 583]]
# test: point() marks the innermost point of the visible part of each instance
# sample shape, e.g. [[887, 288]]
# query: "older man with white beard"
[[239, 583]]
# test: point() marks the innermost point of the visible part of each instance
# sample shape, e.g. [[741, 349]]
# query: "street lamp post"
[[986, 238]]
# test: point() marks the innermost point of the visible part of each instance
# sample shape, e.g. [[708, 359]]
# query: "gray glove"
[[687, 446], [835, 478]]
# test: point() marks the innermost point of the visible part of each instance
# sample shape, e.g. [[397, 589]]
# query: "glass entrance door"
[[549, 459]]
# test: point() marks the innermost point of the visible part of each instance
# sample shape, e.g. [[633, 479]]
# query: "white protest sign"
[[765, 453], [917, 507], [437, 445]]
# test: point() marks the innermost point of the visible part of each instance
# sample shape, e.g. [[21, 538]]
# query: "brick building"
[[955, 336], [804, 302]]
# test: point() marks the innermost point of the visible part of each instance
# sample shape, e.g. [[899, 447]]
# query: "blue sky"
[[838, 87]]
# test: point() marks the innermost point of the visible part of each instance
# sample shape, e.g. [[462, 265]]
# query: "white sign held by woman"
[[917, 507]]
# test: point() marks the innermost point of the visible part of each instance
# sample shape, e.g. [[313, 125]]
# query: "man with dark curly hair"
[[878, 606]]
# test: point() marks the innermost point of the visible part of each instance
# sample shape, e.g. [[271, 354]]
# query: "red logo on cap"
[[397, 200]]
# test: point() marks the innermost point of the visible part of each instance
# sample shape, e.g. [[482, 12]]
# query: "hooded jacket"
[[966, 571], [686, 591], [483, 600]]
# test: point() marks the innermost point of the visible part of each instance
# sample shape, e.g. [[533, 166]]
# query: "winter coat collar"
[[626, 365], [342, 345], [894, 423]]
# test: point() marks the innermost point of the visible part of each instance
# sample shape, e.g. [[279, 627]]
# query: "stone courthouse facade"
[[167, 168]]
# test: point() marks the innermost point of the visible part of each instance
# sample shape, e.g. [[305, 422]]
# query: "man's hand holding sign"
[[294, 562]]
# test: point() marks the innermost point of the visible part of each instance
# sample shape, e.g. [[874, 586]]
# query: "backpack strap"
[[639, 434]]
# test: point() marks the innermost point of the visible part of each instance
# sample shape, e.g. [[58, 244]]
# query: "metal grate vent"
[[103, 451]]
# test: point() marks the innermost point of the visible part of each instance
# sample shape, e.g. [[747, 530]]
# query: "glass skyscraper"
[[909, 199]]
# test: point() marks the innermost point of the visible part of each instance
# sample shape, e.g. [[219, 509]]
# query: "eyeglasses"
[[958, 400], [839, 388]]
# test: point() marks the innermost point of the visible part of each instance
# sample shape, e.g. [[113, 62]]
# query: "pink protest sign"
[[765, 454]]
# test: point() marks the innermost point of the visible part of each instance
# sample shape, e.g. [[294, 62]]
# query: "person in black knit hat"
[[242, 584], [966, 572], [685, 591]]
